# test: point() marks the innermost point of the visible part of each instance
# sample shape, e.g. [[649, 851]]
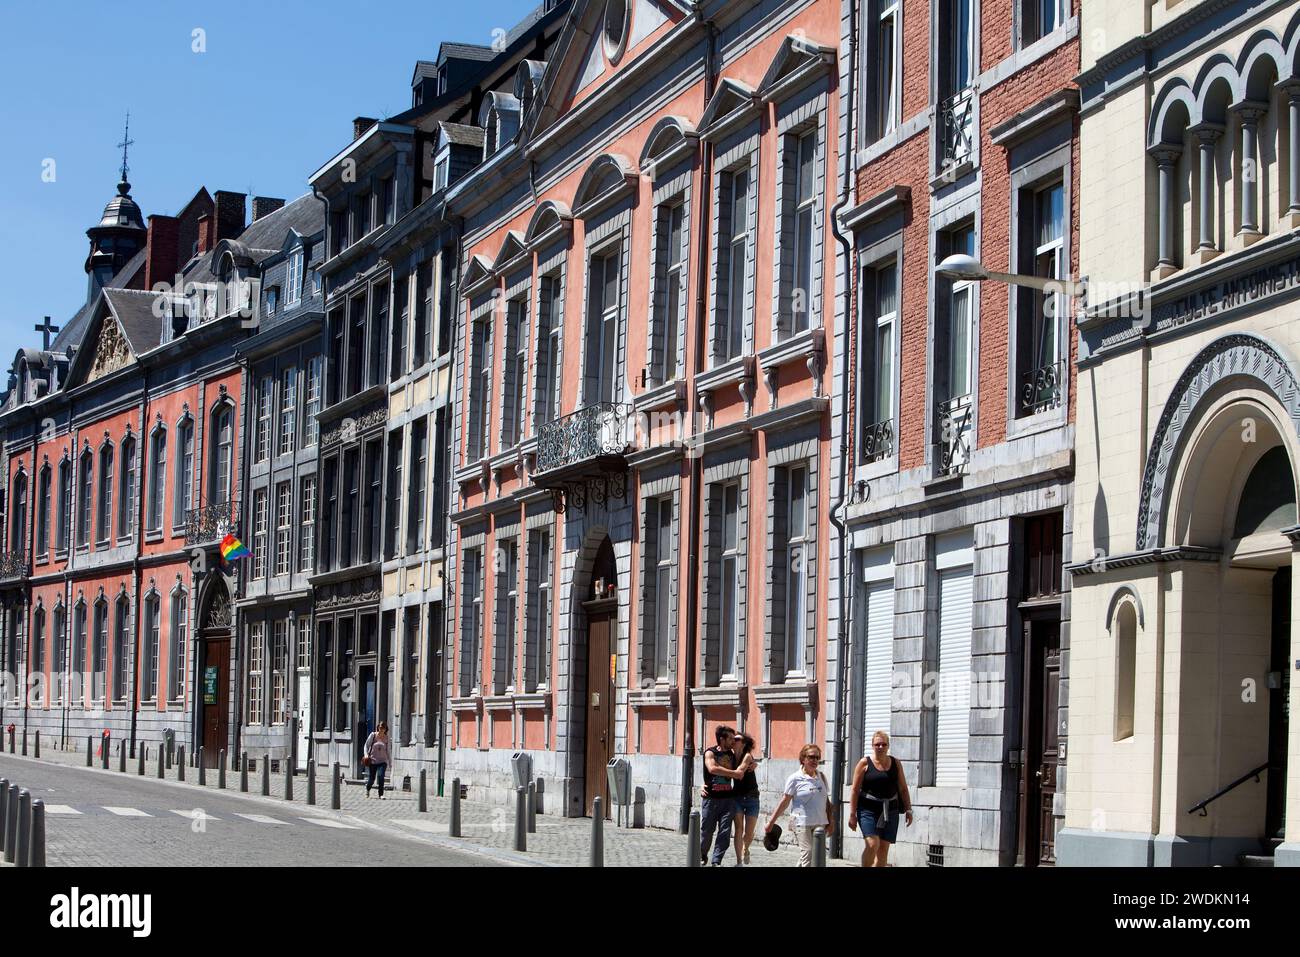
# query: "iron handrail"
[[1222, 791]]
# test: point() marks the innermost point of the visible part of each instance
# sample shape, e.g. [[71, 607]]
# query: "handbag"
[[365, 761]]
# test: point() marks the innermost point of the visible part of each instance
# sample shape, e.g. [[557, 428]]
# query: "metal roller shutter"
[[952, 722], [880, 659]]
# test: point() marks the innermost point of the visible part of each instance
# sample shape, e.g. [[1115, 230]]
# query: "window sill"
[[153, 538], [670, 393], [719, 696], [797, 690], [728, 373], [877, 469], [660, 696], [950, 175], [465, 704], [499, 702], [534, 701], [1039, 422], [799, 346]]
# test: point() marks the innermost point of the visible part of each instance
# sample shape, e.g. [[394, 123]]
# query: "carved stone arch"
[[667, 138], [1125, 593], [215, 610], [609, 176], [1291, 43], [1262, 46], [1218, 85], [1237, 355], [1174, 111], [549, 215]]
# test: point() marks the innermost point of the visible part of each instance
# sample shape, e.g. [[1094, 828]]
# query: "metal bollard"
[[243, 773], [288, 779], [11, 825], [203, 766], [311, 781], [37, 854], [453, 828], [90, 749], [180, 763], [161, 758], [23, 857], [38, 744], [12, 749], [105, 743], [335, 780], [532, 808], [221, 769], [541, 795], [819, 847], [24, 741], [424, 790], [693, 841], [521, 819], [121, 757], [4, 808], [139, 760], [597, 832], [266, 777]]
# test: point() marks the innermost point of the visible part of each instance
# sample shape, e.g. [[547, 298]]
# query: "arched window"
[[18, 514], [150, 636], [221, 456], [1125, 630], [59, 659], [37, 656], [176, 654], [183, 499], [43, 511], [121, 635], [126, 510], [79, 649], [157, 479], [65, 505], [104, 518], [99, 656], [86, 498]]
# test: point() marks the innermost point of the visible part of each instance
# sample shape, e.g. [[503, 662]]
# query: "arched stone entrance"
[[593, 670], [215, 701]]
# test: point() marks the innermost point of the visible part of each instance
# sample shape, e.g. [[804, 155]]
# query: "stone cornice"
[[1150, 556]]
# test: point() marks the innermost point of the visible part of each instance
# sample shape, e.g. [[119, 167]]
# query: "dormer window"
[[442, 169], [490, 139], [293, 278], [272, 298]]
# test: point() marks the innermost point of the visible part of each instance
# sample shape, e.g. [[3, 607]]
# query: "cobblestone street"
[[394, 828]]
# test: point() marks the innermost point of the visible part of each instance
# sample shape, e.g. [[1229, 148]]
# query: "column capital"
[[1250, 111], [1208, 132], [1166, 154], [1291, 87]]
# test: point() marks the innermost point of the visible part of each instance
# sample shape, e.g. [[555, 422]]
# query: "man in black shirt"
[[719, 806]]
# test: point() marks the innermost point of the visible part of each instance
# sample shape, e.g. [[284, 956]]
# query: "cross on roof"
[[126, 142], [45, 328]]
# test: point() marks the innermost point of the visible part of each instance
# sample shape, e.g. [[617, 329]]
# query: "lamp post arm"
[[1071, 287]]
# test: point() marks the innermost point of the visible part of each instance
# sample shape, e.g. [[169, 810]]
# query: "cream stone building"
[[1188, 437]]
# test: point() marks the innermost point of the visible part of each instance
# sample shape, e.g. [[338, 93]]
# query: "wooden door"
[[600, 699], [215, 691], [1041, 740]]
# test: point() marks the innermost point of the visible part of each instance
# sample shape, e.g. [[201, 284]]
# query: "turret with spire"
[[120, 233]]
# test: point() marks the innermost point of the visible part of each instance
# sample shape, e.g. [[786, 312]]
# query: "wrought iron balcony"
[[15, 563], [878, 441], [952, 425], [957, 126], [1042, 389], [595, 437], [211, 523]]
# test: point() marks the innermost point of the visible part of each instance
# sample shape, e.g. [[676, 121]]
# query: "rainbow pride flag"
[[232, 548]]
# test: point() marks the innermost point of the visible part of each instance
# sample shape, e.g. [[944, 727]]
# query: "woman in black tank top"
[[746, 797], [879, 794]]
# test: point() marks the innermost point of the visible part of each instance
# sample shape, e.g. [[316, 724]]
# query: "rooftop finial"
[[125, 144]]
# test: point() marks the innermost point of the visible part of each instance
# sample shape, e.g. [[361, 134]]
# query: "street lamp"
[[960, 266]]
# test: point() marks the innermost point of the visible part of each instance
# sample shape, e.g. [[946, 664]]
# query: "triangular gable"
[[732, 103], [511, 249], [477, 271], [104, 350], [798, 62]]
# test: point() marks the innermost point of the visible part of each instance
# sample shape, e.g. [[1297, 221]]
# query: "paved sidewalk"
[[485, 828]]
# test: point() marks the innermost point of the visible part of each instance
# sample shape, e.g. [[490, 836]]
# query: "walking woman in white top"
[[809, 798]]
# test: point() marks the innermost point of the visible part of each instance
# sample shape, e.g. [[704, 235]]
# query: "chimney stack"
[[360, 125], [205, 233], [230, 214], [162, 256], [264, 205]]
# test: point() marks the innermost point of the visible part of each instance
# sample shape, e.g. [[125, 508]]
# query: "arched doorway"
[[601, 612], [214, 634]]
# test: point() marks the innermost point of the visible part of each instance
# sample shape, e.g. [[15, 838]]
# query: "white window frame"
[[307, 524], [283, 528], [256, 665], [729, 562], [288, 409], [260, 521]]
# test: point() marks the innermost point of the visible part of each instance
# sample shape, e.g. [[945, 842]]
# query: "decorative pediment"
[[477, 272], [112, 351], [797, 63], [609, 177], [733, 104], [551, 218], [673, 139], [511, 249]]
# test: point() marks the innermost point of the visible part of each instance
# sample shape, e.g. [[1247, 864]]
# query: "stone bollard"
[[532, 808], [819, 847], [4, 809], [161, 763], [180, 763], [311, 781], [521, 819], [243, 773], [139, 760], [424, 790], [11, 825], [90, 750], [693, 841], [266, 777], [221, 769], [453, 828], [121, 757], [201, 760], [597, 832], [23, 856], [288, 779], [37, 854], [335, 780], [38, 744], [105, 744]]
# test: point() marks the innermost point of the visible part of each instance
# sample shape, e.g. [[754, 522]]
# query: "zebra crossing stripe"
[[126, 811]]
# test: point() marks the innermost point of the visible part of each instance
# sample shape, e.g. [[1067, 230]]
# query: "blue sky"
[[269, 100]]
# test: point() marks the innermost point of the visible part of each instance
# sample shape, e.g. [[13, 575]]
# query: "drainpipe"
[[1158, 732], [844, 639], [697, 464], [448, 457], [315, 622], [137, 571]]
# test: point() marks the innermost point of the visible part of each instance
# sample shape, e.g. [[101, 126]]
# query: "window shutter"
[[532, 609], [502, 632], [879, 615], [787, 202], [952, 722], [712, 586], [779, 556], [659, 324], [649, 579]]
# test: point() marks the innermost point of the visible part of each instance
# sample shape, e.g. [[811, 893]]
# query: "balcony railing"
[[1042, 389], [211, 523], [952, 423], [14, 564], [878, 441], [957, 123], [599, 431]]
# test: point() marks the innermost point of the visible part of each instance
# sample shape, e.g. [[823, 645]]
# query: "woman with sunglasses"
[[746, 797], [878, 788], [809, 798]]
